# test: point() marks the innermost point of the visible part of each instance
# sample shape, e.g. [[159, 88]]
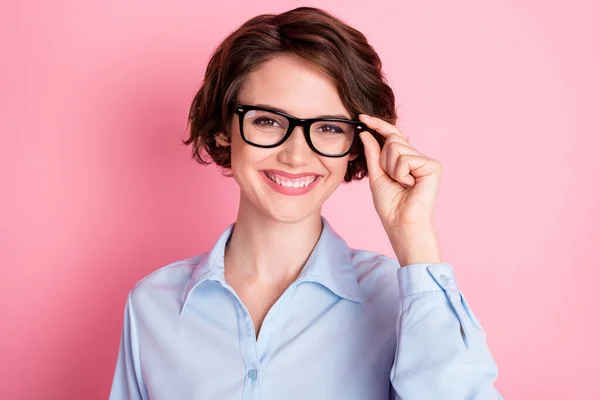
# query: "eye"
[[267, 122], [330, 128]]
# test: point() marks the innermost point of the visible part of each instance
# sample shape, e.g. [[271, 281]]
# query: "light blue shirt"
[[353, 325]]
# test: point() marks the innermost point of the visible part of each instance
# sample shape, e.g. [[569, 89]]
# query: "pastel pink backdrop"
[[98, 190]]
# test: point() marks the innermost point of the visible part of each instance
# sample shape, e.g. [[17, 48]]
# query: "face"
[[266, 176]]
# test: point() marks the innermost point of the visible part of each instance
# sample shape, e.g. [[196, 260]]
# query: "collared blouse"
[[353, 325]]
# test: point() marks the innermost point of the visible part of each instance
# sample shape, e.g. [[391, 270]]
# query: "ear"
[[352, 156], [222, 140]]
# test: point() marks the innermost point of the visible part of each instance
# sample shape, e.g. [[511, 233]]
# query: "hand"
[[405, 185]]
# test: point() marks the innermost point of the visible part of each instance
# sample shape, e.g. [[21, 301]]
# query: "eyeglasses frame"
[[305, 123]]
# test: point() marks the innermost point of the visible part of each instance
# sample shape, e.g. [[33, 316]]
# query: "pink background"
[[98, 191]]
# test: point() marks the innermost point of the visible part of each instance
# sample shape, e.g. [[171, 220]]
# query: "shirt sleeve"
[[441, 347], [128, 382]]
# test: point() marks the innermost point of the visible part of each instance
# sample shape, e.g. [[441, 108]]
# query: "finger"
[[381, 126], [398, 139], [390, 153], [418, 167], [372, 154], [387, 130], [399, 147], [401, 173]]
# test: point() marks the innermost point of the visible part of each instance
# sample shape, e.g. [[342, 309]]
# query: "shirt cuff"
[[417, 278]]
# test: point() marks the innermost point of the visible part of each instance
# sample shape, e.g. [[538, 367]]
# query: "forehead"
[[294, 85]]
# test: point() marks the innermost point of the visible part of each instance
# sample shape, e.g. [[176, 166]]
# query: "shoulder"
[[376, 274], [169, 281], [367, 263]]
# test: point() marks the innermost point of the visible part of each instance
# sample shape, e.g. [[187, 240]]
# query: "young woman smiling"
[[281, 308]]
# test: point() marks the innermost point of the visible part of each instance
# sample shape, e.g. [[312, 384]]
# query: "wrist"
[[415, 245]]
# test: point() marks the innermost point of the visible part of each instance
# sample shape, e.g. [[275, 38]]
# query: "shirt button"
[[252, 374], [444, 278]]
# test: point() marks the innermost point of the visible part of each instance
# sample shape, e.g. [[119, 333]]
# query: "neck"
[[263, 249]]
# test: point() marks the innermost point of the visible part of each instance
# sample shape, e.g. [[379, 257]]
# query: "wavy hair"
[[324, 40]]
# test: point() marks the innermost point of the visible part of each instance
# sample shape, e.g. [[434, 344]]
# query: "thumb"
[[372, 154]]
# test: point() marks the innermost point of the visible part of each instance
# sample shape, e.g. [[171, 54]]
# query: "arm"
[[128, 382], [441, 348]]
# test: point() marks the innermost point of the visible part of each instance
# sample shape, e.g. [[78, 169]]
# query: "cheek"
[[337, 167], [238, 159], [245, 158], [239, 152]]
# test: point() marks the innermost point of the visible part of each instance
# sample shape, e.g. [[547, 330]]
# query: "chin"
[[289, 214]]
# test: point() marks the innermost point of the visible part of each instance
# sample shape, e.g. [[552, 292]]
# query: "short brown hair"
[[339, 50]]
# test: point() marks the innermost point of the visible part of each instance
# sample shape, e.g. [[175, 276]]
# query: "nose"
[[295, 151]]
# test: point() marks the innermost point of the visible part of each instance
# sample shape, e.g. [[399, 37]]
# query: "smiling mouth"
[[291, 183]]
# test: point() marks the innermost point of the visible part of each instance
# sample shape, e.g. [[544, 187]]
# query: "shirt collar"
[[330, 264]]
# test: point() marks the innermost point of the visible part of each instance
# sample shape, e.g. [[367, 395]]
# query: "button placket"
[[272, 324], [247, 340]]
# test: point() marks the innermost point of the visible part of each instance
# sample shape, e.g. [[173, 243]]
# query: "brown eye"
[[267, 122], [331, 128]]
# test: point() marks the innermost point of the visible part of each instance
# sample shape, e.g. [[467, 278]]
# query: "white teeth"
[[294, 184]]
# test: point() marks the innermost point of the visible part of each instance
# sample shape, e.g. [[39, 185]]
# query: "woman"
[[281, 307]]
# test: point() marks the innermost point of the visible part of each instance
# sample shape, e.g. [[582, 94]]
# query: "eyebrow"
[[342, 116]]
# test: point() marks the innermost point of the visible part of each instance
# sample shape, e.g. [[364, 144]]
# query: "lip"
[[290, 191], [288, 175]]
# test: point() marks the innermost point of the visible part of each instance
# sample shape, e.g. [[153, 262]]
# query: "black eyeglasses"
[[266, 128]]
